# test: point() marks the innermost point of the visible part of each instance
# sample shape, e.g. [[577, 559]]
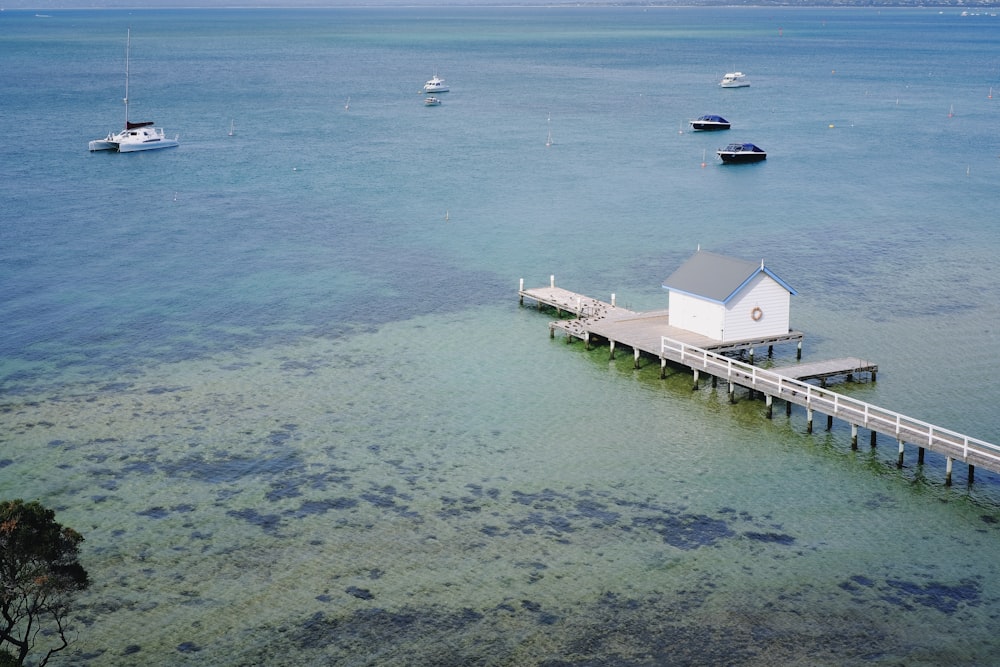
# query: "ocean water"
[[281, 382]]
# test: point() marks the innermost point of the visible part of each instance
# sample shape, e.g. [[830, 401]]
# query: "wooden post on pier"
[[874, 438], [920, 455], [663, 368], [854, 436], [751, 356], [611, 344], [520, 293], [947, 471], [612, 299], [798, 352], [788, 408], [769, 400], [552, 281], [732, 391], [902, 448], [972, 472], [635, 352], [695, 386], [829, 422], [809, 420]]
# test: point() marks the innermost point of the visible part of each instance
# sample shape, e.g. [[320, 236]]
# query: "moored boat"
[[432, 102], [435, 85], [141, 136], [743, 152], [734, 80], [710, 122]]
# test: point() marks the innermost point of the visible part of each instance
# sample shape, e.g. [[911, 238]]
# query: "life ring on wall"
[[756, 314]]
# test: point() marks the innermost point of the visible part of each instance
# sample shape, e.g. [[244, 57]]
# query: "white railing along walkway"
[[859, 413]]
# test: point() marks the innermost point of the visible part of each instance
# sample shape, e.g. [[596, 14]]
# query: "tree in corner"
[[39, 576]]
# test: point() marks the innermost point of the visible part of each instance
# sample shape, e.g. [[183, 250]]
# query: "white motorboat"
[[435, 85], [432, 102], [141, 136], [734, 80]]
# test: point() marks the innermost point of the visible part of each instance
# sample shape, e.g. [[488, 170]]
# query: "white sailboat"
[[141, 136]]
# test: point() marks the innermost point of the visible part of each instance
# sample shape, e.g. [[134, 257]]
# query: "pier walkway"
[[650, 333]]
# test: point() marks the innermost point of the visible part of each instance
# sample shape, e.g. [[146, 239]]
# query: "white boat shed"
[[728, 299]]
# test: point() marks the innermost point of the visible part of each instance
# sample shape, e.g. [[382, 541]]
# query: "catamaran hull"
[[103, 145], [147, 145], [124, 147]]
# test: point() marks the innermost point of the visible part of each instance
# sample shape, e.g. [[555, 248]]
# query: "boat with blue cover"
[[745, 152], [710, 122]]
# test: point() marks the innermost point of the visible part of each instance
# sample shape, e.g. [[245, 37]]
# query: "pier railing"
[[853, 411]]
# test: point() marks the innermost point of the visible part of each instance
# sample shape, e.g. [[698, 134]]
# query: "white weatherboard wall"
[[762, 292], [696, 314]]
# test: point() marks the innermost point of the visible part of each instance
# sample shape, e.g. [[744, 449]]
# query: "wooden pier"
[[650, 333]]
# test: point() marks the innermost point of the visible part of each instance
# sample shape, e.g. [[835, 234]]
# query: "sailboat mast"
[[128, 48]]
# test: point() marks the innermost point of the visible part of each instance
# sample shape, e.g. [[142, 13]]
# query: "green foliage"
[[39, 575]]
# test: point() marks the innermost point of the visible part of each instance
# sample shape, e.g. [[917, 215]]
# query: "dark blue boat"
[[736, 153], [710, 122]]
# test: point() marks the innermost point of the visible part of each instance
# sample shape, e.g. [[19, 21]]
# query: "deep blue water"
[[281, 383]]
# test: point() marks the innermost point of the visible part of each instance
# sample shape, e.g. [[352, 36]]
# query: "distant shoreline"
[[971, 6]]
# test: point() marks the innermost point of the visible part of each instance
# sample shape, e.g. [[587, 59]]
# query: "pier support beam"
[[809, 420], [902, 449], [769, 401], [874, 439], [972, 473], [829, 422], [612, 344], [854, 436], [920, 455], [798, 352], [635, 353], [586, 340], [732, 391], [695, 385], [788, 408], [947, 471], [663, 368], [751, 356]]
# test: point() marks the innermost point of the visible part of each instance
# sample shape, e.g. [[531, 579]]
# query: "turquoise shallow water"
[[281, 382]]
